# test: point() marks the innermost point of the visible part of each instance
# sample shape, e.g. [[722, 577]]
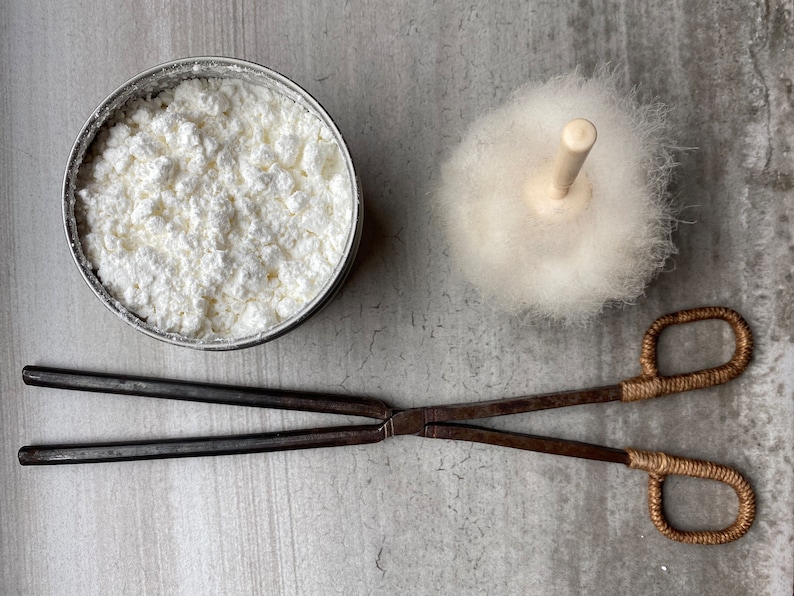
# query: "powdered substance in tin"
[[216, 209]]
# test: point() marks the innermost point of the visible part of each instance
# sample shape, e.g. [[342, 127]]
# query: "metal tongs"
[[435, 422]]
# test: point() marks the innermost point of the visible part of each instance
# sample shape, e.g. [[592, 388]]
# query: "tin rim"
[[165, 76]]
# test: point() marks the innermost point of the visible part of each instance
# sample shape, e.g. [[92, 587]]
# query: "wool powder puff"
[[564, 259]]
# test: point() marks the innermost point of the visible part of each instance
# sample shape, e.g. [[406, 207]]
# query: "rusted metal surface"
[[201, 446], [440, 422], [426, 421], [520, 405], [476, 434], [205, 392]]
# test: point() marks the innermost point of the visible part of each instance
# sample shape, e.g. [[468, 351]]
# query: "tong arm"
[[200, 446], [283, 399]]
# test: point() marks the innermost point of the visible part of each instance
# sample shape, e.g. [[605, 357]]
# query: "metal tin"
[[166, 76]]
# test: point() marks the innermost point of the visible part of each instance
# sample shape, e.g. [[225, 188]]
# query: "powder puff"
[[569, 264]]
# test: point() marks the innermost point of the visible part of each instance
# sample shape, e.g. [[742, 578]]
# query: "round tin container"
[[167, 76]]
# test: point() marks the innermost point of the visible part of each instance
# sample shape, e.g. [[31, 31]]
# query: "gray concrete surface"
[[408, 516]]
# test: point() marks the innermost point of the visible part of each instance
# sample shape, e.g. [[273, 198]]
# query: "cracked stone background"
[[408, 516]]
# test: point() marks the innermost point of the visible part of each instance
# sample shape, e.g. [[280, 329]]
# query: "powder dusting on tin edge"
[[215, 210]]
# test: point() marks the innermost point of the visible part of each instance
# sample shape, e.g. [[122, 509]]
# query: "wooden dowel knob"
[[578, 137]]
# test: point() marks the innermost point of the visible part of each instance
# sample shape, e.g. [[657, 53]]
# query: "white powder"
[[216, 209]]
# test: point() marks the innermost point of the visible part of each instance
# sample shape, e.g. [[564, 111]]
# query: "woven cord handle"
[[651, 384], [658, 465]]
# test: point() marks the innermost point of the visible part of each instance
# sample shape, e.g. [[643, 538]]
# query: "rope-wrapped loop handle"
[[651, 384], [658, 465]]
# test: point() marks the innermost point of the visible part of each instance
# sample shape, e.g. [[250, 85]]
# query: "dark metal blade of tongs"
[[207, 393], [58, 378], [410, 421], [36, 455]]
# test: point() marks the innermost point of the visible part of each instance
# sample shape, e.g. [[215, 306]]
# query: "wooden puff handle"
[[651, 384], [578, 138], [659, 465]]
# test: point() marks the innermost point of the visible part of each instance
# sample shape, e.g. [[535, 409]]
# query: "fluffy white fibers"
[[540, 267]]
